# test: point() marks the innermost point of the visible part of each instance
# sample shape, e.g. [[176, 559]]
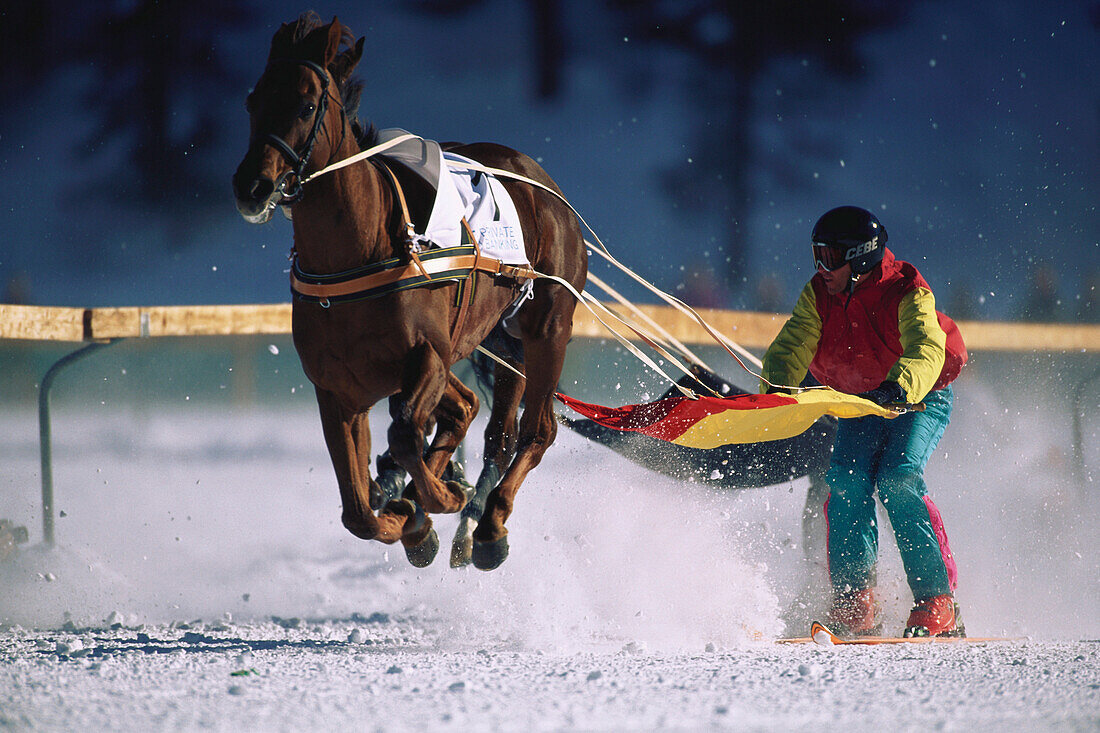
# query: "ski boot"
[[855, 613], [935, 616]]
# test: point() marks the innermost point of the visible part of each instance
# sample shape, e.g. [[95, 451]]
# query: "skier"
[[866, 324]]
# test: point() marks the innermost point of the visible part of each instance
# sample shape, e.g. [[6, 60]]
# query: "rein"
[[452, 263], [391, 275], [601, 312]]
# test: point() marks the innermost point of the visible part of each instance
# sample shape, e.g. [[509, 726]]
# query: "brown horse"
[[402, 344]]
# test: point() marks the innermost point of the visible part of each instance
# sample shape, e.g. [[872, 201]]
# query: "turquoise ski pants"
[[888, 455]]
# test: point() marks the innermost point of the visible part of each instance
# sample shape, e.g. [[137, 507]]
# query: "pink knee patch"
[[945, 549]]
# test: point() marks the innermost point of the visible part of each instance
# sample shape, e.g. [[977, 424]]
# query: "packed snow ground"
[[202, 579]]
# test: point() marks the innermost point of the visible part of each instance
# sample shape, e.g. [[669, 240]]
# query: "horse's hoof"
[[421, 555], [462, 544], [490, 555]]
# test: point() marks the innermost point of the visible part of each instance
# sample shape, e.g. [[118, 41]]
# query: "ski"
[[821, 635]]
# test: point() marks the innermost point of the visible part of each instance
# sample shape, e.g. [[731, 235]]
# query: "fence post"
[[44, 433], [1079, 469]]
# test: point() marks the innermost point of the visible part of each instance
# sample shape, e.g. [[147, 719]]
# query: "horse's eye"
[[307, 111]]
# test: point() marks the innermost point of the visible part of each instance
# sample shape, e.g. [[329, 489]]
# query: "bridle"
[[291, 192]]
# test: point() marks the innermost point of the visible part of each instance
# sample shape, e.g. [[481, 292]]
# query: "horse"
[[401, 344]]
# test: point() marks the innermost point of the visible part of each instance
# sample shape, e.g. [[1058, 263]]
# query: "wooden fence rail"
[[750, 329]]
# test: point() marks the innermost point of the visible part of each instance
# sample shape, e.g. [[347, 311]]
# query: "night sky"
[[974, 135]]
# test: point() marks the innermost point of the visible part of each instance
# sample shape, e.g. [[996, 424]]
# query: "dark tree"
[[1095, 14], [156, 96], [26, 51], [733, 46], [547, 36]]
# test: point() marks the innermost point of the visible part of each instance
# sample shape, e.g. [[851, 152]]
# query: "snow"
[[266, 677], [202, 579]]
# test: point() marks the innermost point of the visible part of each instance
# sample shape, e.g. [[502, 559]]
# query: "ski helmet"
[[848, 234]]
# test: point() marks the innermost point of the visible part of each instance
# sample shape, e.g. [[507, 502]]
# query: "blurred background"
[[701, 139]]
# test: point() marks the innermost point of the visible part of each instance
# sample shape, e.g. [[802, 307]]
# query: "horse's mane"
[[367, 137], [351, 92], [307, 22], [351, 89]]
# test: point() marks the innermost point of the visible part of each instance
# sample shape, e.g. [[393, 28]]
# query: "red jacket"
[[888, 329]]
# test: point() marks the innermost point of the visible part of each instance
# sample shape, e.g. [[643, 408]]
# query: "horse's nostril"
[[261, 189]]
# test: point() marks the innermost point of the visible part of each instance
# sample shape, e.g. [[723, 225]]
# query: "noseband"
[[291, 193]]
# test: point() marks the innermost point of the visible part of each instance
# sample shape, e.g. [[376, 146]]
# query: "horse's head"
[[297, 114]]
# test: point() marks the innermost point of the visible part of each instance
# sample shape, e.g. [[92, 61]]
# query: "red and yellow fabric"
[[710, 422]]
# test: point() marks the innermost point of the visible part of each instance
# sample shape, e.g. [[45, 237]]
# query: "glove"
[[885, 393]]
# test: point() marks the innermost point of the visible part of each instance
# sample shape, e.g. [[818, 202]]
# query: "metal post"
[[1079, 469], [44, 435]]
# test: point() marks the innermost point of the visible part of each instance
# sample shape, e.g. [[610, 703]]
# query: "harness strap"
[[393, 275], [289, 154], [406, 219], [467, 283]]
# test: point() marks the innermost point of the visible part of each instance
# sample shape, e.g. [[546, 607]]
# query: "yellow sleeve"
[[790, 354], [923, 344]]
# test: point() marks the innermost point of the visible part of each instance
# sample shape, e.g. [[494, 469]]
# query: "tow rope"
[[593, 305]]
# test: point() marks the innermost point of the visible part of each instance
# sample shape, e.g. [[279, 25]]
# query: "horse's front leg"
[[424, 382], [347, 435]]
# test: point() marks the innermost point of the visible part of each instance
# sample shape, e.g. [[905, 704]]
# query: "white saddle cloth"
[[463, 193]]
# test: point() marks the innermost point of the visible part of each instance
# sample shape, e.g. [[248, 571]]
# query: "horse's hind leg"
[[544, 349], [454, 415], [500, 446], [423, 387]]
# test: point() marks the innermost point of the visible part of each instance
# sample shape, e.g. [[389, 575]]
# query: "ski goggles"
[[827, 257]]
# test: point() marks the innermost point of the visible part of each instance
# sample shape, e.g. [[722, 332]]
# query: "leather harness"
[[421, 267]]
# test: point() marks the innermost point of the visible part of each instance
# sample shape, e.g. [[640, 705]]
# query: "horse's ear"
[[344, 63], [335, 36], [282, 43], [322, 44]]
